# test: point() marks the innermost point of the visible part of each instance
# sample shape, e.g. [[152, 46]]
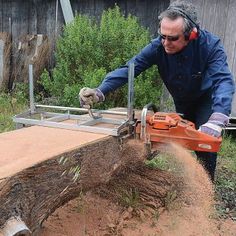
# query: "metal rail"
[[232, 124], [110, 122]]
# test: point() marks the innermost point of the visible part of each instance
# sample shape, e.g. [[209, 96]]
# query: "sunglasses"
[[169, 38]]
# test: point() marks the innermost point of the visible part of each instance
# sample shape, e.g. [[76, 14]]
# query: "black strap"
[[184, 14]]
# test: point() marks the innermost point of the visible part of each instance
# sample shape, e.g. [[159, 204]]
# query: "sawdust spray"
[[194, 217]]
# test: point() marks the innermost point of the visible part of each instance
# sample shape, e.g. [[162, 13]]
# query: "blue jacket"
[[199, 68]]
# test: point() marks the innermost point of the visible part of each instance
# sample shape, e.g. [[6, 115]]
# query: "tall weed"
[[11, 104]]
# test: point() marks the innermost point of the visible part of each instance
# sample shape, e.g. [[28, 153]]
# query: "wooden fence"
[[29, 17], [21, 17]]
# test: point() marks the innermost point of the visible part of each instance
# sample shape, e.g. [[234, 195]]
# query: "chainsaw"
[[157, 128]]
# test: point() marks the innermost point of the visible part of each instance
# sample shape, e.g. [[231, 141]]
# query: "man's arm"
[[223, 88], [142, 61], [223, 85], [115, 79]]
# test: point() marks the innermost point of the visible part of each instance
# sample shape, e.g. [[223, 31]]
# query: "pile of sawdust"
[[189, 185]]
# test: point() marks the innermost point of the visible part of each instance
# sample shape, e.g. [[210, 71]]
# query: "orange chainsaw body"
[[164, 127]]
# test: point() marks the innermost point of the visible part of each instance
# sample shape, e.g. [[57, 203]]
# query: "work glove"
[[88, 96], [215, 124]]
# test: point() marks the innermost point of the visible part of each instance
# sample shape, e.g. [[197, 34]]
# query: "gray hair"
[[185, 10]]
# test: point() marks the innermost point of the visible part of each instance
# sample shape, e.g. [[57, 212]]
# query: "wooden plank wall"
[[146, 11], [20, 17], [23, 17]]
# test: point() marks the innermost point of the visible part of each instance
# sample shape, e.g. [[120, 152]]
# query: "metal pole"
[[10, 26], [130, 112], [67, 11], [31, 89], [56, 19]]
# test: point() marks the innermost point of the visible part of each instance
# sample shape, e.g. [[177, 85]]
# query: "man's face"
[[171, 31]]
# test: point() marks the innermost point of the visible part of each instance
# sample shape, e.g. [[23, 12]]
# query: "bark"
[[142, 186], [34, 193], [30, 196]]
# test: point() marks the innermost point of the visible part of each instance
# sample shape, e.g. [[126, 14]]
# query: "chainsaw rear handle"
[[146, 108]]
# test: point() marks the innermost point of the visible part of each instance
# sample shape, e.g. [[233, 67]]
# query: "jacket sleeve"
[[223, 85], [119, 77]]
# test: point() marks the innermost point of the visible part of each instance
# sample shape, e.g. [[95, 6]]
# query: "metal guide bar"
[[81, 109], [80, 127], [110, 122], [82, 122]]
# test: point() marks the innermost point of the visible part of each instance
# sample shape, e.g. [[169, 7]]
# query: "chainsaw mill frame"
[[88, 119]]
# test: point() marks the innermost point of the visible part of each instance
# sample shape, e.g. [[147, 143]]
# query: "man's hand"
[[88, 96], [215, 124]]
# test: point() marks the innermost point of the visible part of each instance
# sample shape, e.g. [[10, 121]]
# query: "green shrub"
[[87, 51]]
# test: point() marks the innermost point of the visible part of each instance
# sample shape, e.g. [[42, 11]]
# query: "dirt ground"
[[189, 213], [100, 217]]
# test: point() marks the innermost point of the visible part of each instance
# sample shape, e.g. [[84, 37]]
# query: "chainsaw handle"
[[146, 108], [152, 106]]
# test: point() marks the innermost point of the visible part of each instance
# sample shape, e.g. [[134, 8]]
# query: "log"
[[15, 226], [32, 184], [37, 173]]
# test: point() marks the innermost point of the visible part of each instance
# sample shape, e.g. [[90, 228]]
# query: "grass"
[[226, 179], [11, 104], [228, 154], [164, 161], [130, 198], [159, 162]]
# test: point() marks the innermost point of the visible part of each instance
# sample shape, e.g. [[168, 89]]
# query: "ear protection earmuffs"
[[192, 33]]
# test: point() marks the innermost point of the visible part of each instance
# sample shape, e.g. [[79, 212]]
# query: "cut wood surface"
[[24, 148]]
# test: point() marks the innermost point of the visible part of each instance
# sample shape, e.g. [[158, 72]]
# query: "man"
[[192, 64]]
